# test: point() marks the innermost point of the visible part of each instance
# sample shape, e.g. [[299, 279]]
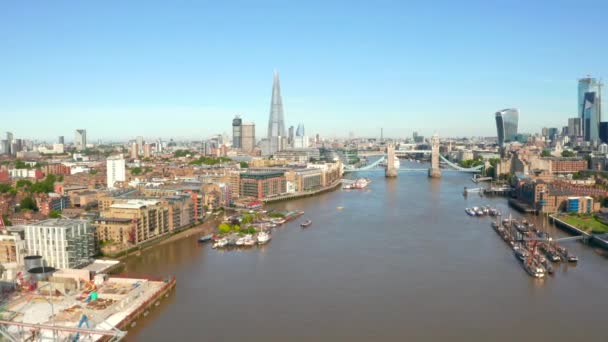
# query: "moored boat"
[[263, 237], [305, 223], [205, 238]]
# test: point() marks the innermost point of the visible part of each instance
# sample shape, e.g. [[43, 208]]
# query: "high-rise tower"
[[590, 107], [276, 122], [237, 129]]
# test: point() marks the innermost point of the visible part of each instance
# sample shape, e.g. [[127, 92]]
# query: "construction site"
[[68, 306]]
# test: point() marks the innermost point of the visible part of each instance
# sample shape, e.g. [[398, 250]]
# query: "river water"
[[401, 261]]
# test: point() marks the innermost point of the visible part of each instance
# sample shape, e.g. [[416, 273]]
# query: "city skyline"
[[367, 65]]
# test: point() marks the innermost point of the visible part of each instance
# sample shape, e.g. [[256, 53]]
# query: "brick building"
[[262, 184]]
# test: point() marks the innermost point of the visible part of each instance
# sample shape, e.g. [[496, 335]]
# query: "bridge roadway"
[[454, 167]]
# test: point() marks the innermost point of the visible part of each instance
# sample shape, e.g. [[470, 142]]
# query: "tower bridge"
[[434, 171]]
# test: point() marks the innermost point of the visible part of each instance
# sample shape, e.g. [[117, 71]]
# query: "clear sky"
[[183, 69]]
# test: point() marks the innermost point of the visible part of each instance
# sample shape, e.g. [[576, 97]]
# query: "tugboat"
[[305, 223]]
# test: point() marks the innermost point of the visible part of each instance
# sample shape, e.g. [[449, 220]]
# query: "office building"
[[61, 140], [575, 127], [604, 132], [115, 170], [140, 145], [506, 125], [248, 137], [134, 150], [237, 129], [61, 243], [80, 139], [290, 136], [590, 107], [147, 150], [262, 184], [276, 122]]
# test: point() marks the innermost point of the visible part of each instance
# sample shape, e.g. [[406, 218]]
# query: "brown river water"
[[401, 262]]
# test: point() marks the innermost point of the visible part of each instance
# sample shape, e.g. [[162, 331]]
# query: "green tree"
[[28, 203], [20, 164], [7, 222], [244, 165], [23, 183], [136, 171], [224, 228], [545, 153], [567, 153], [4, 188], [180, 153], [246, 219], [93, 172], [55, 214]]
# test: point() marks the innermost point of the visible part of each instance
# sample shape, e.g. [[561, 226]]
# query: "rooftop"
[[57, 223], [134, 204]]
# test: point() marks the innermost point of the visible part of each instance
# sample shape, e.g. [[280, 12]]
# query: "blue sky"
[[183, 69]]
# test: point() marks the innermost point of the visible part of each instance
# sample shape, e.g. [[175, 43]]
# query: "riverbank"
[[205, 227], [288, 197], [597, 240]]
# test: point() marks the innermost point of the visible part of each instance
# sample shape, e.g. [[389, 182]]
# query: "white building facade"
[[61, 243], [115, 170]]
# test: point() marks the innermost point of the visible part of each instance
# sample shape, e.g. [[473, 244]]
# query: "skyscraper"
[[248, 137], [80, 139], [300, 140], [590, 107], [276, 122], [291, 135], [575, 127], [300, 131], [140, 145], [506, 125], [9, 138], [237, 130], [61, 140]]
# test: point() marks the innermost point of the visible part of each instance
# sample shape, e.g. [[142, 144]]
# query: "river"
[[401, 261]]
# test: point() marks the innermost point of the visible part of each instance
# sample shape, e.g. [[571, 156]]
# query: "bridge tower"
[[435, 171], [390, 171]]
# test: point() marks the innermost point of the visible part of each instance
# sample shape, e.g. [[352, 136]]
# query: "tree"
[[567, 154], [7, 222], [224, 228], [545, 153], [244, 165], [23, 183], [136, 171], [4, 188], [246, 219], [55, 214], [28, 203], [181, 153], [20, 164], [93, 172]]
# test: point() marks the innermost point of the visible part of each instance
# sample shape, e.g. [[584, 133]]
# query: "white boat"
[[240, 241], [396, 163], [248, 240], [263, 237], [220, 243]]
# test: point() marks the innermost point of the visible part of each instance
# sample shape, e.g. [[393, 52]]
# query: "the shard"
[[276, 122]]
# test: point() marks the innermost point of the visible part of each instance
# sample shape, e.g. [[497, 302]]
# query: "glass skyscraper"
[[506, 125], [590, 107], [276, 122]]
